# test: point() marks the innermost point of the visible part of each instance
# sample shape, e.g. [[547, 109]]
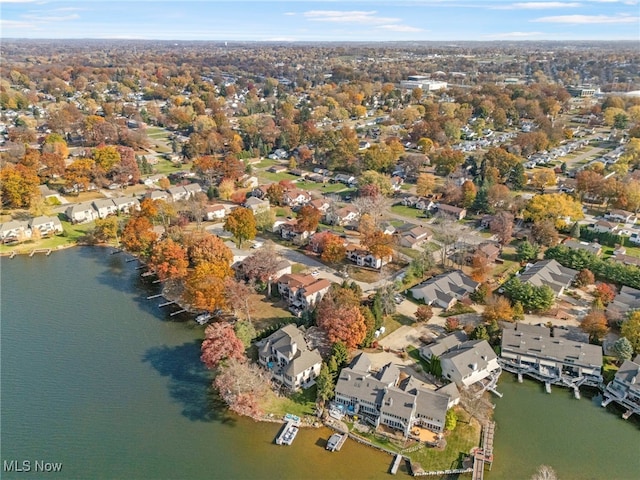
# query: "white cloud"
[[15, 24], [17, 1], [513, 35], [588, 19], [290, 14], [51, 18], [400, 28], [353, 16], [537, 5]]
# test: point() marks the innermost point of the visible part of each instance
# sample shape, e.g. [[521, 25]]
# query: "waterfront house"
[[445, 290], [625, 388], [81, 212], [531, 350], [551, 273], [381, 398], [104, 207], [443, 344], [46, 225], [14, 231], [287, 356]]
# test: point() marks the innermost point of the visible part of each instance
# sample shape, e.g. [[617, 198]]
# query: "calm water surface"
[[99, 378]]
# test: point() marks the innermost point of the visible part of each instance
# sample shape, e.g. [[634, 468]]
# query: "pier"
[[337, 440], [484, 455], [46, 251], [288, 433], [396, 464]]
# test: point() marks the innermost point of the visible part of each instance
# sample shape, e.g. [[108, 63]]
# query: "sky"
[[296, 20]]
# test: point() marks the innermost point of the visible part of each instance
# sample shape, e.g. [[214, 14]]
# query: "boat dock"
[[336, 441], [396, 464], [484, 454], [46, 251], [288, 433]]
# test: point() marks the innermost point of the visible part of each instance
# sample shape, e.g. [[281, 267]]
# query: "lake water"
[[97, 377]]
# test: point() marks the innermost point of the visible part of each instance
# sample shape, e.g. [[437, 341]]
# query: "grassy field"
[[632, 251], [299, 403], [266, 163], [395, 321], [459, 443], [408, 212], [276, 177], [166, 167], [320, 187], [609, 368], [266, 312]]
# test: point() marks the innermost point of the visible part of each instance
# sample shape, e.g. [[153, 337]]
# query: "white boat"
[[203, 318], [335, 442]]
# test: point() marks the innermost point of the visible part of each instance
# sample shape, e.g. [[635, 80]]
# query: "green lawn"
[[409, 252], [276, 177], [395, 321], [157, 132], [266, 163], [320, 187], [166, 167], [459, 443], [609, 368], [74, 233], [408, 212], [632, 251], [300, 403]]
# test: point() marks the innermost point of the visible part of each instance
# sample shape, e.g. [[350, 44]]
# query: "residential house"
[[344, 178], [192, 189], [625, 388], [485, 221], [46, 225], [14, 231], [396, 183], [289, 231], [126, 204], [602, 226], [256, 204], [455, 212], [260, 191], [178, 193], [625, 259], [381, 398], [296, 197], [426, 204], [471, 363], [415, 238], [532, 350], [489, 251], [343, 216], [387, 228], [302, 291], [620, 216], [153, 179], [410, 201], [277, 169], [321, 205], [248, 181], [287, 356], [445, 290], [626, 301], [442, 345], [364, 258], [105, 207], [593, 247], [81, 212], [158, 195], [551, 273], [215, 212]]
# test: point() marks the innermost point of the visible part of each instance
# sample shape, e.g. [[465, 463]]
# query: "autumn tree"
[[19, 185], [425, 184], [424, 313], [380, 180], [210, 249], [544, 233], [585, 278], [605, 293], [106, 157], [241, 224], [243, 386], [220, 343], [630, 329], [169, 260], [333, 249], [226, 189], [451, 324], [497, 309], [554, 206], [480, 267], [501, 226], [238, 296], [341, 318], [447, 161], [205, 288], [469, 192], [379, 244], [275, 194], [595, 324], [106, 229], [543, 178], [262, 266], [138, 235], [308, 219]]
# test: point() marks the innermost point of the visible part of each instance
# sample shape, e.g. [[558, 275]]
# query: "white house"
[[215, 212], [14, 230], [46, 225], [105, 207], [81, 212], [126, 204], [302, 291], [289, 359]]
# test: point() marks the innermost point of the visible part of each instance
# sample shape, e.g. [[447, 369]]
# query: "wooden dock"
[[46, 251], [396, 464], [484, 455], [12, 254]]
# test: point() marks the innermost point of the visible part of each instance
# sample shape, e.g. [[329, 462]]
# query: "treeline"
[[628, 275]]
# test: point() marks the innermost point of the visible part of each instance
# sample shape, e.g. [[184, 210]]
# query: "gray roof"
[[41, 220], [399, 403], [443, 344], [360, 385], [470, 356], [118, 201], [306, 359], [103, 203], [629, 373], [594, 247], [445, 287], [627, 299], [536, 342], [13, 224], [551, 273], [79, 207], [432, 404], [361, 363]]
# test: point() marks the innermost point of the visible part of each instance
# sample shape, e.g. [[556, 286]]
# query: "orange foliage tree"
[[138, 236], [211, 249], [342, 321], [308, 219], [333, 249], [169, 259], [205, 287]]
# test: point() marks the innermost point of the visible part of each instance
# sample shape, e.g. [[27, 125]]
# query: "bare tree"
[[447, 233], [545, 472], [375, 206]]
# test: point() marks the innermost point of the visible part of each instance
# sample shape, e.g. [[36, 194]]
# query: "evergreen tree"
[[481, 202], [517, 178], [575, 230], [622, 349]]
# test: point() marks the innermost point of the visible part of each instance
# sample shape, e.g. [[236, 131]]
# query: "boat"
[[203, 318], [335, 442], [287, 435]]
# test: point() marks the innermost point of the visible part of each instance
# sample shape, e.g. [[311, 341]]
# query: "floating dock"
[[336, 441], [288, 433]]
